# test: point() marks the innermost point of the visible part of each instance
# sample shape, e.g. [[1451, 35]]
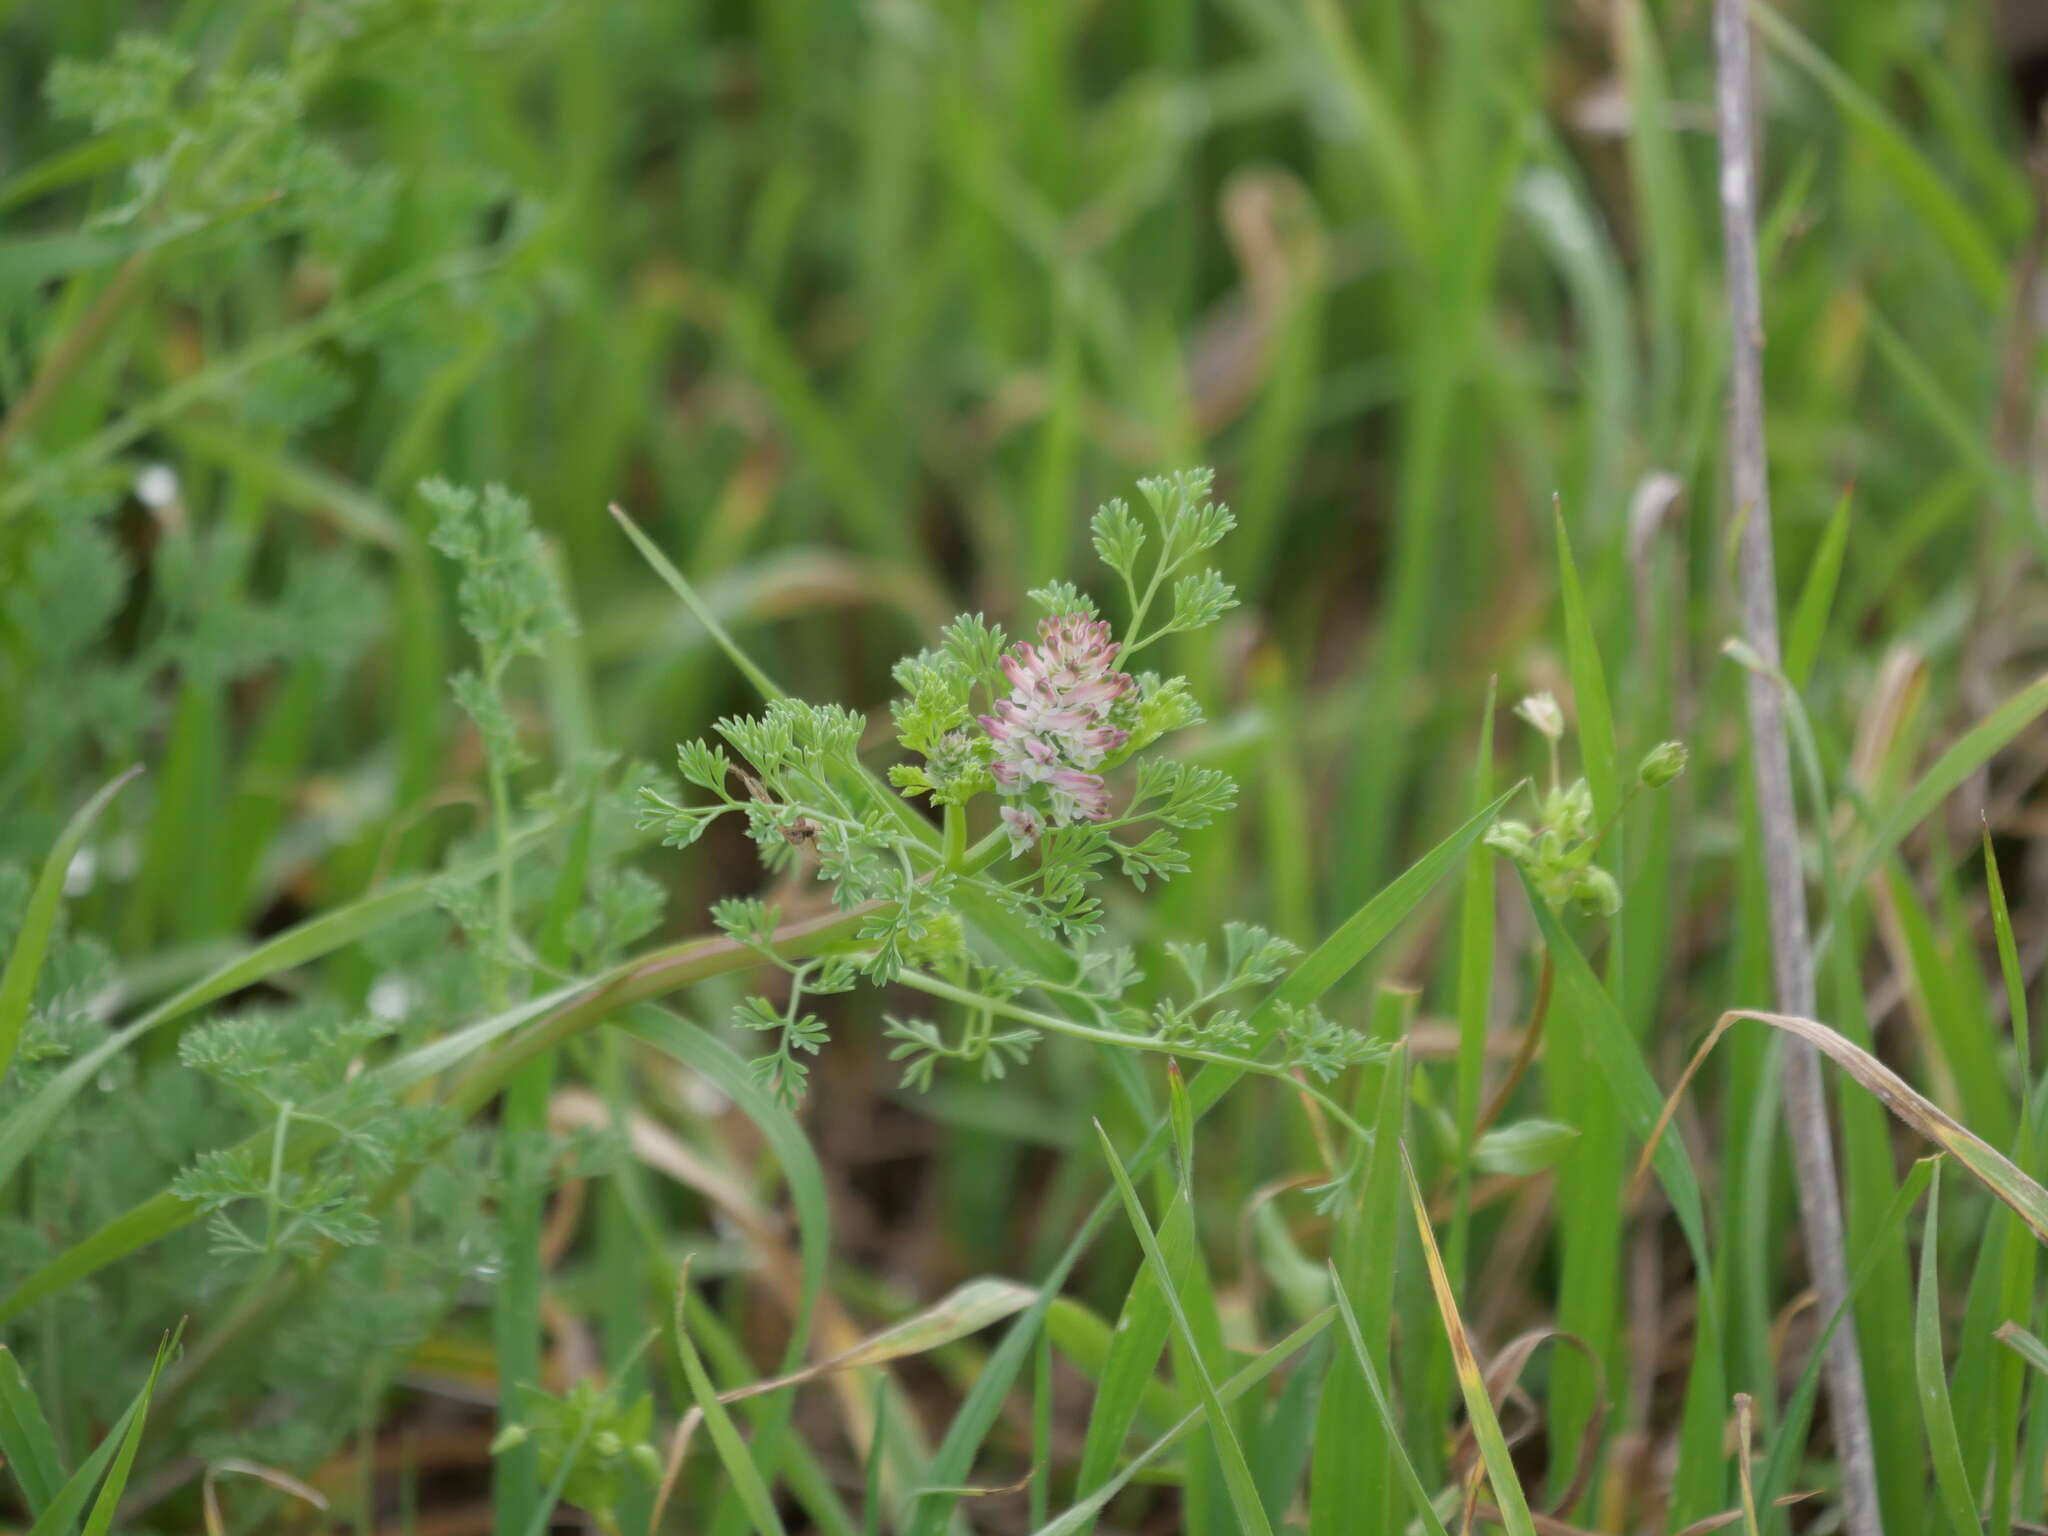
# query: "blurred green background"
[[862, 309]]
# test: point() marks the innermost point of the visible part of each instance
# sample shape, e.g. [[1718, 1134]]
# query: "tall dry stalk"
[[1806, 1113]]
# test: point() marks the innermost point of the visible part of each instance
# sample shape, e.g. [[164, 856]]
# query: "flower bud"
[[1568, 811], [511, 1437], [1596, 890], [1663, 763], [1541, 711], [1512, 838]]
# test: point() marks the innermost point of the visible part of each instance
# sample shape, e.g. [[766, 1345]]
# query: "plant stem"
[[516, 1303], [1532, 1036], [956, 836], [1791, 950], [1052, 1023], [274, 1194], [501, 832]]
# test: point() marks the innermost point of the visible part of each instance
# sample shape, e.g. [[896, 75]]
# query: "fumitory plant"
[[1043, 759]]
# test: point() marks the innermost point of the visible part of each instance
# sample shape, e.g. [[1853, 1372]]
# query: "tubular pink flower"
[[1023, 829], [1054, 727], [1077, 796]]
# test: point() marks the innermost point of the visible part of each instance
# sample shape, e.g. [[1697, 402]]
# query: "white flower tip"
[[1541, 711]]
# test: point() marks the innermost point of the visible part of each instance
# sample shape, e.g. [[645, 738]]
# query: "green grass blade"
[[34, 260], [1583, 1001], [1963, 757], [2015, 987], [1368, 927], [1956, 422], [1666, 215], [1816, 598], [147, 1222], [1129, 1373], [871, 1520], [60, 1517], [2025, 1345], [704, 1053], [1589, 1187], [1975, 252], [1950, 1477], [1586, 1013], [1197, 1352], [1086, 1339], [1789, 1443], [2022, 1256], [1418, 1495], [1589, 686], [1475, 989], [1041, 1432], [549, 1499], [1082, 1516], [25, 962], [727, 1363], [1959, 1034], [1237, 1473], [700, 610], [1285, 1439], [25, 1437], [1350, 1480], [739, 1465]]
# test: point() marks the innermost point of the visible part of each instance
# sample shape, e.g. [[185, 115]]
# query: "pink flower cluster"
[[1054, 727]]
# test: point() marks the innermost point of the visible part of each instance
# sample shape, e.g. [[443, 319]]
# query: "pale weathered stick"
[[1806, 1113]]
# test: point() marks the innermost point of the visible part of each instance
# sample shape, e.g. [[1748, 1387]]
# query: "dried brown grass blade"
[[1921, 1114], [1743, 1407], [283, 1482]]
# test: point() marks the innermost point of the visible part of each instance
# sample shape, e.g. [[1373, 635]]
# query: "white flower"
[[1541, 711]]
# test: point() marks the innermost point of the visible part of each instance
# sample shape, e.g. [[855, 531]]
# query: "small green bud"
[[1596, 890], [1663, 763], [648, 1460], [1568, 812], [1512, 838], [510, 1438]]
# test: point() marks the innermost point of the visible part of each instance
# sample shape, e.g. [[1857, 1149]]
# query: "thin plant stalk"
[[1791, 950]]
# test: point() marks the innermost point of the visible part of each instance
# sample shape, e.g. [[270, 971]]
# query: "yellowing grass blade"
[[966, 1309], [1493, 1445], [1993, 1169]]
